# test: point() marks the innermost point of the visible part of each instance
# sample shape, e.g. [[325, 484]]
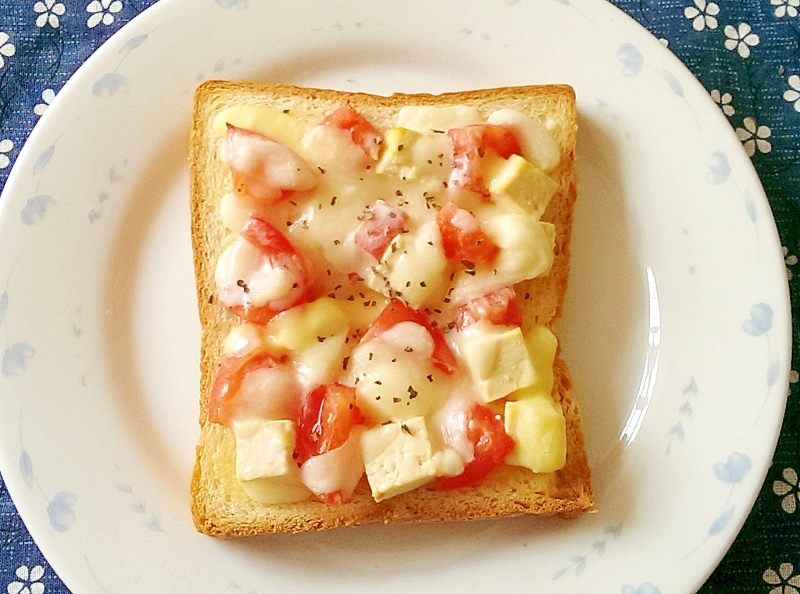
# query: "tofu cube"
[[263, 448], [524, 183], [542, 347], [398, 457], [497, 358]]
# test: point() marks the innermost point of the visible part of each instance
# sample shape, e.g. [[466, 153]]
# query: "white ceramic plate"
[[677, 324]]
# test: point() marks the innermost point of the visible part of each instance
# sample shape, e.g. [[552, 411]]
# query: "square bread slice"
[[220, 506]]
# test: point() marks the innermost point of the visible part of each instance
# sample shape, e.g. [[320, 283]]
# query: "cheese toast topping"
[[375, 274]]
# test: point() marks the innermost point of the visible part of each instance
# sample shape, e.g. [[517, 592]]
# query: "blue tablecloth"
[[745, 52]]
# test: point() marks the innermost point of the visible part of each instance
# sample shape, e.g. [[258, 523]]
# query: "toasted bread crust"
[[219, 505]]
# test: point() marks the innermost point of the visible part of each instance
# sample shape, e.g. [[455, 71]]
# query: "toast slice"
[[220, 506]]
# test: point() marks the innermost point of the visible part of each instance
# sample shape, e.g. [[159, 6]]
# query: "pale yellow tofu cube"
[[524, 183], [287, 488], [542, 345], [398, 457], [263, 448], [497, 358]]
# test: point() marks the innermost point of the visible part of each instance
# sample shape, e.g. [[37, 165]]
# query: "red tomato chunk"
[[498, 307], [327, 416], [462, 236], [364, 134], [491, 443], [281, 254], [222, 404], [469, 146]]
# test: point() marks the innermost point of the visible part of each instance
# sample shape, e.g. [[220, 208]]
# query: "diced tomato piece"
[[376, 232], [479, 138], [281, 254], [327, 416], [468, 147], [271, 241], [491, 444], [395, 312], [229, 378], [462, 237], [498, 307], [361, 131]]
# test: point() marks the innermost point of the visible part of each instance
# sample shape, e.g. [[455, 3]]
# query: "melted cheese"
[[395, 378]]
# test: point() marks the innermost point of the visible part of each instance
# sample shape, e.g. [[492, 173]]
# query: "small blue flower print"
[[597, 548], [750, 207], [774, 369], [140, 507], [685, 411], [15, 359], [632, 60], [719, 169], [734, 469], [60, 510], [760, 320], [36, 208], [108, 85]]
